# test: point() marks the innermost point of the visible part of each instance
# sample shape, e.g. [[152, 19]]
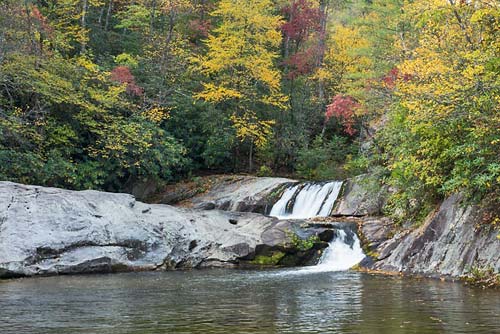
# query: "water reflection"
[[223, 301]]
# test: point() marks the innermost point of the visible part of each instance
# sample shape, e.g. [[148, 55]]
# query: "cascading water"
[[311, 200], [317, 200], [340, 255]]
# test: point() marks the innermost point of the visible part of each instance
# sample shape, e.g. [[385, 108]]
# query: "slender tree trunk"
[[323, 6], [85, 6], [29, 26], [108, 14], [461, 22], [101, 14], [152, 18], [287, 38]]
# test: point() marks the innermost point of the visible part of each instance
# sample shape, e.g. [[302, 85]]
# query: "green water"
[[234, 301]]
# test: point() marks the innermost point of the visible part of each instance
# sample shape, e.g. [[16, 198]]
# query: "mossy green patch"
[[268, 260]]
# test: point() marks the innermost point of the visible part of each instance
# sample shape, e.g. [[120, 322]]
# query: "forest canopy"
[[104, 93]]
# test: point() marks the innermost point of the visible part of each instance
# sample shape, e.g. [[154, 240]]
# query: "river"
[[237, 301]]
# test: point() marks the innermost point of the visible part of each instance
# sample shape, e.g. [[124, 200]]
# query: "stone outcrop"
[[448, 244], [47, 231], [238, 193], [361, 196]]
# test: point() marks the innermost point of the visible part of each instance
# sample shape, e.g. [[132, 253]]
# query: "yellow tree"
[[345, 62], [448, 118], [240, 67]]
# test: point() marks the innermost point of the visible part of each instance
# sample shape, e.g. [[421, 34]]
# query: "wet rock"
[[449, 244], [49, 231], [236, 193]]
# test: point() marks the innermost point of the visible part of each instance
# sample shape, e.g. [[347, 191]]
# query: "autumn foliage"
[[304, 19], [123, 75], [344, 109], [301, 32]]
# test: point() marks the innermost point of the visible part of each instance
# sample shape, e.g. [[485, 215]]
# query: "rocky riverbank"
[[49, 231], [451, 243]]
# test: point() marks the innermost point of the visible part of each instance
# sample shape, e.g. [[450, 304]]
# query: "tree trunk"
[[152, 18], [101, 14], [108, 14], [85, 6], [323, 6]]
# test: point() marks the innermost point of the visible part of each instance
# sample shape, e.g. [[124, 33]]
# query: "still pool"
[[235, 301]]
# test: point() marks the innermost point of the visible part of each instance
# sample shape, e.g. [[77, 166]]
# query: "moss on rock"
[[268, 260]]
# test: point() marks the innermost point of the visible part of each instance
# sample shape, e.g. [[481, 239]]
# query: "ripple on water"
[[234, 301]]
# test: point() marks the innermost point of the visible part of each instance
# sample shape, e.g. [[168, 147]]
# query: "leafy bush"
[[265, 171], [302, 244], [482, 277]]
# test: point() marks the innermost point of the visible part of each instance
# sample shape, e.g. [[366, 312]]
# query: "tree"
[[443, 134], [240, 65]]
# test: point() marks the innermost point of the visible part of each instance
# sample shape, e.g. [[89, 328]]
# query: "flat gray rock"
[[47, 231], [242, 193]]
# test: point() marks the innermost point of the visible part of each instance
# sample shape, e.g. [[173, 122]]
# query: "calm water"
[[231, 301]]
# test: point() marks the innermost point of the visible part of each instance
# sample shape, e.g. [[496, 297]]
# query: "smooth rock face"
[[449, 244], [54, 231], [360, 196], [241, 193]]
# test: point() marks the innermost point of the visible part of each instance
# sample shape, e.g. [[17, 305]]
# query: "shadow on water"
[[234, 301]]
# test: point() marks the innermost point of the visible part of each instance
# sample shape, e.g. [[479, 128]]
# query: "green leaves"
[[444, 135], [68, 122]]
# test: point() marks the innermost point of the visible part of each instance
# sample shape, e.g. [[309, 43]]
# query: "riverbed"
[[237, 301]]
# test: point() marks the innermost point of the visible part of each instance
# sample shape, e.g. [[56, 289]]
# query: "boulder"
[[361, 196], [240, 193], [448, 244], [48, 231]]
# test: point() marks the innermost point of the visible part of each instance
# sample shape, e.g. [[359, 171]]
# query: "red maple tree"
[[344, 109], [123, 75], [303, 20]]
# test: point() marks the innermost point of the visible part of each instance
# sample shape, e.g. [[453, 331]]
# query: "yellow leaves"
[[249, 127], [278, 100], [157, 114], [345, 60], [174, 6], [87, 64], [216, 94], [241, 54]]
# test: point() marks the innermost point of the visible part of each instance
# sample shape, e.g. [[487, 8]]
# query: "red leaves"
[[343, 108], [303, 20], [123, 75], [41, 20], [303, 62], [393, 76]]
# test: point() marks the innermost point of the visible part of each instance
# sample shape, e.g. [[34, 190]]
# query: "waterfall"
[[279, 209], [310, 200], [340, 255], [317, 200]]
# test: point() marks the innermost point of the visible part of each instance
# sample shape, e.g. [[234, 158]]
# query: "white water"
[[279, 208], [327, 207], [339, 255], [316, 200], [312, 200]]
